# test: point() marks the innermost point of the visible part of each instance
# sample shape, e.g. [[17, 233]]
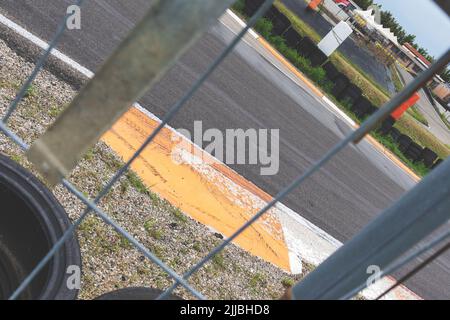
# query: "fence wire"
[[91, 205]]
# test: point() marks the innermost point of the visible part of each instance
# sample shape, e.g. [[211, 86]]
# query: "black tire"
[[33, 221], [251, 6], [386, 126], [428, 157], [306, 47], [351, 93], [404, 141], [331, 71], [438, 162], [340, 83], [395, 134], [413, 152], [135, 293], [292, 38], [317, 57], [361, 107]]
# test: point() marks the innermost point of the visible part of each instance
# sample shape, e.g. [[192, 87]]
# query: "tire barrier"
[[343, 89], [428, 157], [351, 93], [317, 57], [395, 134], [292, 38], [331, 71], [280, 23], [438, 162], [403, 142], [251, 6], [306, 47], [135, 293], [340, 83], [413, 152], [361, 107], [29, 228], [386, 126]]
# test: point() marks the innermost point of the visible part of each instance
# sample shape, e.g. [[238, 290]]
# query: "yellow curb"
[[320, 94], [210, 192]]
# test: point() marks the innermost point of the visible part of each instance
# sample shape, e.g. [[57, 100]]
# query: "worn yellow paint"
[[215, 195]]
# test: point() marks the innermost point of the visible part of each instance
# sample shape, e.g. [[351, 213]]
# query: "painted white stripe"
[[339, 111], [304, 239], [44, 45], [242, 23]]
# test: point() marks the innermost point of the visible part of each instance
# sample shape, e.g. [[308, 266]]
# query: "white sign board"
[[334, 38]]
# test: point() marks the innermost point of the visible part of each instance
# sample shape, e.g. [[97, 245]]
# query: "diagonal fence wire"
[[354, 137], [93, 205], [39, 65]]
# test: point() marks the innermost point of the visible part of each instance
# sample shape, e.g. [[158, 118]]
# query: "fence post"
[[392, 233]]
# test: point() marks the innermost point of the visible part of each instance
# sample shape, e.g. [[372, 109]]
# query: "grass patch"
[[398, 84], [287, 282], [179, 215], [446, 122], [136, 182], [152, 230], [257, 280], [219, 261], [416, 114]]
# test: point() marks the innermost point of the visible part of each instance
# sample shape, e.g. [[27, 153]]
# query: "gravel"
[[109, 261]]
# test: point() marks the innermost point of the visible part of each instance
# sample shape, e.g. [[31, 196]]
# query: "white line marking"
[[315, 242]]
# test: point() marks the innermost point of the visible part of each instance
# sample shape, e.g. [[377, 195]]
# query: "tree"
[[445, 74], [410, 38]]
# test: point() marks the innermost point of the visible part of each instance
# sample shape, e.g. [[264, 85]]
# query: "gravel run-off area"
[[109, 261]]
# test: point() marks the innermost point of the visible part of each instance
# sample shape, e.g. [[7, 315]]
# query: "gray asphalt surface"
[[435, 124], [248, 92], [349, 47]]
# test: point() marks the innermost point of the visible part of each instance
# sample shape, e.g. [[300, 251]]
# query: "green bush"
[[264, 27], [239, 6]]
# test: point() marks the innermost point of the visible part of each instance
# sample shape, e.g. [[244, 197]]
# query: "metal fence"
[[342, 275]]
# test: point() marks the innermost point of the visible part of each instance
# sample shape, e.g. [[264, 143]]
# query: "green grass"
[[445, 121], [287, 282], [219, 261], [398, 84], [179, 215], [152, 229], [137, 183], [416, 114]]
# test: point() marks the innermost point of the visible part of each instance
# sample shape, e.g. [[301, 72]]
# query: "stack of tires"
[[351, 93], [340, 84], [292, 38], [280, 23], [428, 157], [387, 126], [251, 6]]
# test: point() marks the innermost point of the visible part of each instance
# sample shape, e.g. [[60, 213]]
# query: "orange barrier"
[[397, 114], [313, 4]]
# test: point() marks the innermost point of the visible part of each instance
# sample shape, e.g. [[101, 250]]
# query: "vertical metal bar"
[[397, 229], [152, 47]]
